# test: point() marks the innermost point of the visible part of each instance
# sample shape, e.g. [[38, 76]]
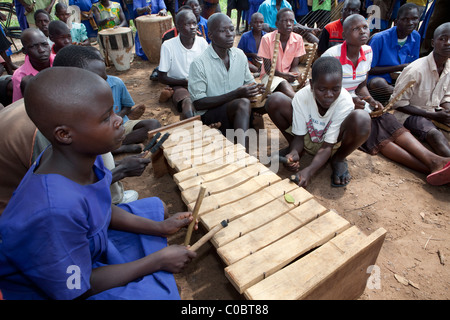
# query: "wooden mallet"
[[201, 195], [209, 235]]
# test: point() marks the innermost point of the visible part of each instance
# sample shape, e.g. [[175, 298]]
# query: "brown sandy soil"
[[381, 194]]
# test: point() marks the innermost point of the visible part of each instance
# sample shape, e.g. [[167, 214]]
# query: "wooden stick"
[[305, 74], [201, 195], [393, 100], [272, 68], [209, 235]]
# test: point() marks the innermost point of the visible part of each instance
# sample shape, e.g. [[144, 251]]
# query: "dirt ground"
[[381, 194]]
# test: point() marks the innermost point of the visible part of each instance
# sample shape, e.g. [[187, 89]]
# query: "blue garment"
[[302, 10], [85, 5], [269, 10], [55, 231], [157, 6], [121, 96], [248, 43], [253, 6], [203, 28], [20, 13], [387, 51]]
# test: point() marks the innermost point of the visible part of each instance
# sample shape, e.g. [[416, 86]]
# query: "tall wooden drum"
[[150, 29]]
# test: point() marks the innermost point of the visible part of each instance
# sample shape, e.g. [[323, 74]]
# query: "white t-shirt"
[[306, 117], [175, 58]]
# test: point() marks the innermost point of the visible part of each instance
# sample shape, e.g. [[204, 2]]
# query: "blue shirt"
[[248, 42], [387, 51], [121, 96], [203, 27], [157, 5], [269, 10]]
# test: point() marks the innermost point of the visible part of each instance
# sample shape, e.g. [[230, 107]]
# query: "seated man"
[[77, 30], [320, 120], [59, 33], [250, 41], [427, 103], [290, 50], [38, 57], [220, 82], [332, 33], [176, 57], [393, 49]]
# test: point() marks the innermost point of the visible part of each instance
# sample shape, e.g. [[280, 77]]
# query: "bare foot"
[[136, 112], [166, 94]]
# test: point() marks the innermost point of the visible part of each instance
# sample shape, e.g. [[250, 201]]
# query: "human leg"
[[279, 109], [286, 88], [354, 132]]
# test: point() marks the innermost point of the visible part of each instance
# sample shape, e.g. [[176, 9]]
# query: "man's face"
[[187, 25], [441, 43], [352, 7], [224, 33], [286, 22], [37, 48], [408, 22], [42, 22]]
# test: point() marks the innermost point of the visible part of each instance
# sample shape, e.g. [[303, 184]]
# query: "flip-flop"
[[440, 177], [341, 176]]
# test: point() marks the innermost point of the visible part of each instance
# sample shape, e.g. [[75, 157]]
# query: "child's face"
[[100, 130], [42, 22], [63, 15], [286, 22], [187, 25], [357, 33], [257, 23], [326, 89], [195, 8], [62, 40]]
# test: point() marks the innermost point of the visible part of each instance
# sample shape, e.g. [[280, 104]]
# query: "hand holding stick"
[[209, 235], [200, 197]]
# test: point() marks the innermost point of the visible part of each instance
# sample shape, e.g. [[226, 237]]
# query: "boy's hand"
[[175, 258], [293, 159], [304, 177], [176, 222], [133, 166]]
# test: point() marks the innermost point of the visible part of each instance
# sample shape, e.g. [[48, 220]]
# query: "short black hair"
[[405, 8], [41, 11], [76, 56], [325, 65], [283, 11], [56, 26], [182, 12]]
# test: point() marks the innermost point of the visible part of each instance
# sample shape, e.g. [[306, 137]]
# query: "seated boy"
[[59, 33], [323, 121], [393, 49], [176, 57], [427, 103], [220, 82], [61, 236], [250, 41], [290, 50], [38, 57], [77, 30]]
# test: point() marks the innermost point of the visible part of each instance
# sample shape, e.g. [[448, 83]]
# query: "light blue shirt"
[[121, 96], [269, 10], [208, 76]]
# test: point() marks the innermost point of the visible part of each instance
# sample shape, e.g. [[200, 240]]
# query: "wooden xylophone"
[[280, 242]]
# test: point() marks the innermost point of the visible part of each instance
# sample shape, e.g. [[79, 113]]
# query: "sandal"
[[340, 171]]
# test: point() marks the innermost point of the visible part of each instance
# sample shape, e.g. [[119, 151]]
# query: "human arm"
[[144, 10], [165, 79], [123, 20], [244, 91], [130, 166], [387, 69], [439, 116], [362, 94], [50, 6]]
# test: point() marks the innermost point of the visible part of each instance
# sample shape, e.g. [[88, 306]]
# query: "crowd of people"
[[62, 205]]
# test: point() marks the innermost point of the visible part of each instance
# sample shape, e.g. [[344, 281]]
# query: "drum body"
[[150, 29], [117, 45]]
